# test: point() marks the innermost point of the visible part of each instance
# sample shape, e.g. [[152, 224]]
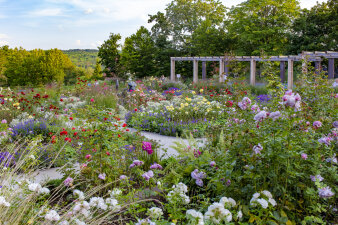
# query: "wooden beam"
[[221, 70], [290, 74], [195, 73], [331, 68], [282, 71], [204, 70], [253, 72], [172, 70]]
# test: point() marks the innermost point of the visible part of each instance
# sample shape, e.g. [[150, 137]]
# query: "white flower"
[[155, 212], [82, 207], [272, 202], [4, 202], [267, 193], [32, 157], [79, 194], [36, 187], [196, 216], [113, 204], [52, 215], [65, 222], [228, 201], [98, 203], [275, 115], [145, 222], [115, 192], [217, 213], [181, 187], [79, 222], [239, 215], [263, 203]]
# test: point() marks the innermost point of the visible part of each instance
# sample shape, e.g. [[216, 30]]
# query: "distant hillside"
[[84, 58]]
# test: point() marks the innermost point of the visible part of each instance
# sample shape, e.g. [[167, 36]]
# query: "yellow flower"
[[208, 103], [188, 99], [30, 117], [201, 90], [16, 104], [193, 92], [186, 104]]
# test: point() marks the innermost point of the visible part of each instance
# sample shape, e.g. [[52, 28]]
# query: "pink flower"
[[304, 156], [257, 149], [147, 147], [102, 176], [260, 116], [68, 181], [212, 163], [3, 121], [89, 156], [92, 100], [136, 163]]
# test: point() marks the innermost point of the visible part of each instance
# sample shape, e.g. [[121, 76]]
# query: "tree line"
[[208, 28]]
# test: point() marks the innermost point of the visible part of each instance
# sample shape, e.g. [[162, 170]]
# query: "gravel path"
[[165, 151]]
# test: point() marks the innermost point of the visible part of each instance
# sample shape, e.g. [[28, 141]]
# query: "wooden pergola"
[[224, 62]]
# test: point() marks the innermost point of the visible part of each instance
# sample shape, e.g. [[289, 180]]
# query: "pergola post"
[[331, 68], [290, 74], [226, 68], [221, 70], [172, 70], [317, 67], [253, 72], [282, 71], [204, 70], [195, 73]]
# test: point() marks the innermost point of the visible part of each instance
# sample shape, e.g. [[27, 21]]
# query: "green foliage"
[[316, 29], [257, 25], [109, 53], [97, 75], [138, 54], [83, 58], [37, 67]]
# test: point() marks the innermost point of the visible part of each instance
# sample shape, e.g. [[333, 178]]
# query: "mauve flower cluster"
[[198, 176], [148, 175], [292, 100], [245, 103], [136, 163]]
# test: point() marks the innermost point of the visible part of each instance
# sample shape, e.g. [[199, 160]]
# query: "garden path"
[[165, 151]]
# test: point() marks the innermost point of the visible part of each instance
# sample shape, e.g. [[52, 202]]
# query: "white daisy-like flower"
[[52, 215]]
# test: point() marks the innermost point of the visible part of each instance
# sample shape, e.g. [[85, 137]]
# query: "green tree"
[[97, 74], [109, 54], [316, 29], [257, 25], [183, 17], [138, 54]]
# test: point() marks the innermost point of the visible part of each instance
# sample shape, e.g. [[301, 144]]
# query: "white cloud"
[[78, 42], [46, 12], [88, 11], [4, 36]]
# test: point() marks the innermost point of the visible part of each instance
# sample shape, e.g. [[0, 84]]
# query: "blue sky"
[[69, 24]]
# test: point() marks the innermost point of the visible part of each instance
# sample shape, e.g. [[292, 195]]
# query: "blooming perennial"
[[264, 198], [155, 212], [198, 176], [217, 213], [195, 217], [178, 194]]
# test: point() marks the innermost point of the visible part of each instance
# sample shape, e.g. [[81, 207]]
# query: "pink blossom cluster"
[[292, 100]]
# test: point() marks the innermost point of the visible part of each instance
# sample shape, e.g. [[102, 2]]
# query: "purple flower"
[[275, 115], [148, 175], [325, 192], [136, 163], [317, 124], [228, 182], [260, 116], [335, 124], [156, 166], [3, 121], [257, 149], [123, 177], [316, 178], [199, 182], [212, 163], [68, 181], [102, 176], [146, 146], [198, 175], [325, 140], [304, 156]]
